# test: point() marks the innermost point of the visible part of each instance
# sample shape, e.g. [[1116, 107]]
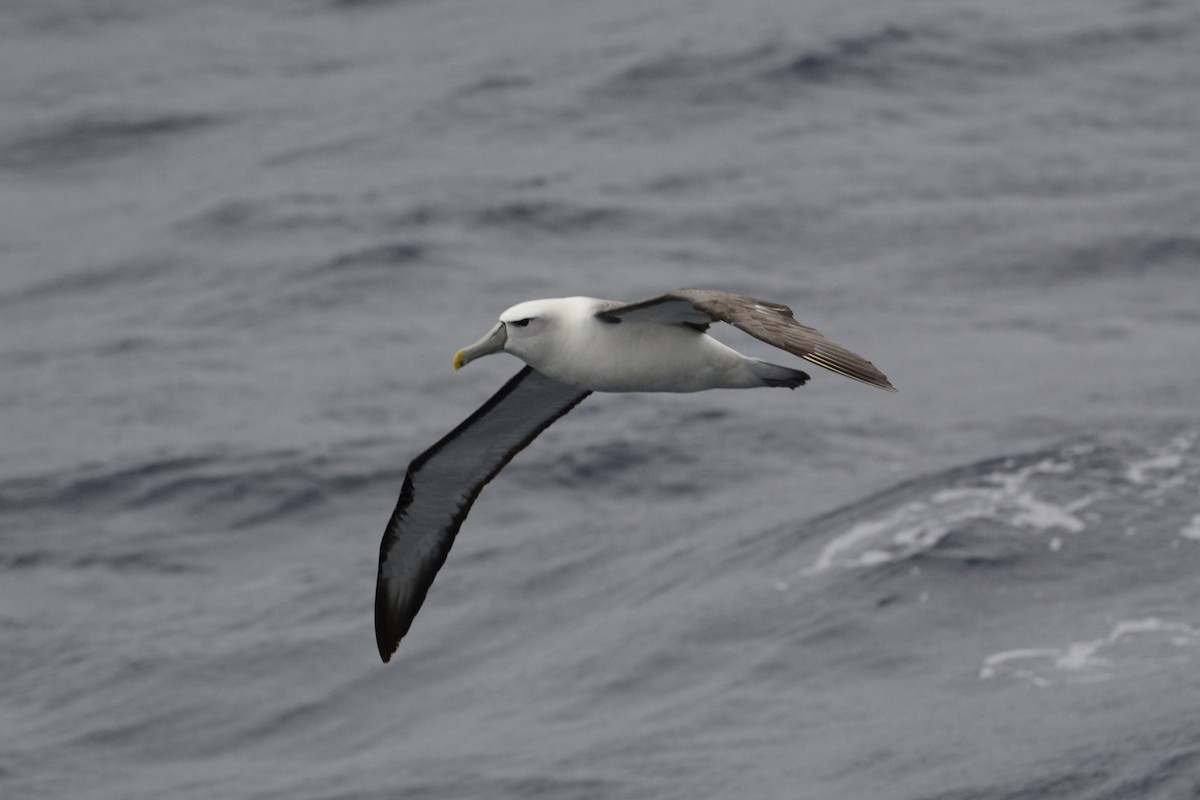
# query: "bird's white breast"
[[640, 357]]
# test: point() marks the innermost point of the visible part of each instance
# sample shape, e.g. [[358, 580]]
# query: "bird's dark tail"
[[775, 375]]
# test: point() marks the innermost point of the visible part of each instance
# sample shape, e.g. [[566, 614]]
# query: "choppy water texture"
[[240, 242]]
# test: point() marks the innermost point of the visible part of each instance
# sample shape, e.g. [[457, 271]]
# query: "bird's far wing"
[[774, 324], [443, 482], [669, 309]]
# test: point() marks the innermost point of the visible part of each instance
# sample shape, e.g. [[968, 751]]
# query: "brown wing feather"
[[774, 324]]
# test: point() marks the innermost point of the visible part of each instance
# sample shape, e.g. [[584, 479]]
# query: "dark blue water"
[[241, 242]]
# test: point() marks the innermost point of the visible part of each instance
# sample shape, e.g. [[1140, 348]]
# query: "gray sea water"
[[240, 242]]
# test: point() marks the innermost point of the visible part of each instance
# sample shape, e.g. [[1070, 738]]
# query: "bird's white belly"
[[644, 357]]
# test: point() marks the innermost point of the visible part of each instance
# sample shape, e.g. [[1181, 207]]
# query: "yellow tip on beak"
[[492, 342]]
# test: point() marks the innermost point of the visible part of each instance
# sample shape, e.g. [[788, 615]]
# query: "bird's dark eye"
[[522, 323]]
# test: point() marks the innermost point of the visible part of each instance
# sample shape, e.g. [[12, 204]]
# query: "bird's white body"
[[566, 341]]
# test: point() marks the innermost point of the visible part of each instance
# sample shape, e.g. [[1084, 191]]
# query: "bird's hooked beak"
[[492, 342]]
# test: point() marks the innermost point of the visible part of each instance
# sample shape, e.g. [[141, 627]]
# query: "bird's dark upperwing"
[[770, 322], [443, 482], [667, 309]]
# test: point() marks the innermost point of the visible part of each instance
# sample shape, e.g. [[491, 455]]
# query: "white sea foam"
[[917, 526], [1138, 471], [1192, 529], [1131, 646], [1169, 459]]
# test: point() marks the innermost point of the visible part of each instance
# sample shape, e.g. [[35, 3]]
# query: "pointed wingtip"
[[386, 639], [387, 633], [879, 381], [836, 358]]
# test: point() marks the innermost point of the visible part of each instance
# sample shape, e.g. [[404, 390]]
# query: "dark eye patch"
[[522, 323]]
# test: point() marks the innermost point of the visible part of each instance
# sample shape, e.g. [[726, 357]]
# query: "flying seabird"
[[574, 346]]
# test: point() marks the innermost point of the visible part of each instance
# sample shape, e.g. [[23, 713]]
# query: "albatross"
[[573, 346]]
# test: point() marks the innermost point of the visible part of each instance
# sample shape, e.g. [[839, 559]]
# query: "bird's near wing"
[[773, 323], [443, 482]]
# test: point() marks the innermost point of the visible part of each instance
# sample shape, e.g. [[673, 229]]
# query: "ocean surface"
[[240, 242]]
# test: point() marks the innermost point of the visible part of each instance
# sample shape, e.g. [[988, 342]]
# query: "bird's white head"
[[529, 330]]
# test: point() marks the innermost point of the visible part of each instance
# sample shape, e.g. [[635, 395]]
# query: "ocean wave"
[[996, 510], [560, 218], [1130, 649], [96, 278], [66, 17], [874, 57], [956, 51], [382, 259], [1131, 256], [96, 137], [266, 216], [232, 491]]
